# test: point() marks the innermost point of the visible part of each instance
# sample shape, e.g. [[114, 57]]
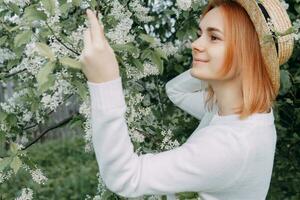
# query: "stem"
[[15, 73], [31, 126], [63, 122], [60, 41], [159, 96]]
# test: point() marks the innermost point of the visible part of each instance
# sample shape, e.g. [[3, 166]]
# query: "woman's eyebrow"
[[210, 29]]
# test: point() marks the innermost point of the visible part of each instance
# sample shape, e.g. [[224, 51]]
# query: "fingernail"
[[88, 11]]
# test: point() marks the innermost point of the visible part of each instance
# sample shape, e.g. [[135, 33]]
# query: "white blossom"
[[120, 33], [10, 106], [284, 4], [52, 20], [85, 108], [15, 19], [3, 127], [167, 143], [88, 135], [184, 4], [169, 48], [296, 25], [136, 136], [26, 194], [61, 88], [141, 12], [135, 74], [6, 54], [84, 4], [20, 3], [27, 116], [38, 176], [5, 175]]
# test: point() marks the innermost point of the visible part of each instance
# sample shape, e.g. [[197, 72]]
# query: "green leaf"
[[76, 2], [31, 13], [146, 54], [138, 64], [297, 8], [81, 90], [70, 62], [11, 119], [13, 7], [4, 163], [43, 74], [34, 105], [46, 85], [49, 6], [3, 39], [187, 195], [45, 50], [76, 121], [158, 61], [14, 148], [22, 38], [147, 38], [129, 47], [3, 116], [285, 82], [160, 53], [2, 136], [16, 164]]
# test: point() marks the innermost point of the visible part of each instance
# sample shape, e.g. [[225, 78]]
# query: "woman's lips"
[[199, 62]]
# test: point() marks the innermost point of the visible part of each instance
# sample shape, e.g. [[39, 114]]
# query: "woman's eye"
[[199, 35], [214, 37]]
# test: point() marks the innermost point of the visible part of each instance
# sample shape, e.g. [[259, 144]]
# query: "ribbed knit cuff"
[[107, 95]]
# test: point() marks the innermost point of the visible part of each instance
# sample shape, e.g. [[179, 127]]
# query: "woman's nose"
[[198, 45]]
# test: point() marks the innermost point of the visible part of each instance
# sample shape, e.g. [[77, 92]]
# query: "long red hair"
[[243, 55]]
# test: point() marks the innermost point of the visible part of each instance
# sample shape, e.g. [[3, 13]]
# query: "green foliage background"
[[75, 177]]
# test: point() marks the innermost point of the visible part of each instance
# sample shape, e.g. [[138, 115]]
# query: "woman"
[[230, 155]]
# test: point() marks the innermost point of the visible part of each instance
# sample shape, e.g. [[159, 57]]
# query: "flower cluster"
[[167, 143], [120, 33], [38, 176], [27, 194], [184, 4]]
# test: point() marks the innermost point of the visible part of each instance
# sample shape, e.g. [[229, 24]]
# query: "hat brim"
[[268, 49]]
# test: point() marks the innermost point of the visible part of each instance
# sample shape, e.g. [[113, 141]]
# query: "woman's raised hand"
[[98, 58]]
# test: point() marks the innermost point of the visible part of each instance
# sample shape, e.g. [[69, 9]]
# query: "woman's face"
[[209, 46]]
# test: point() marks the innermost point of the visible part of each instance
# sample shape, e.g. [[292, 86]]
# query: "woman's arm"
[[209, 160], [187, 92]]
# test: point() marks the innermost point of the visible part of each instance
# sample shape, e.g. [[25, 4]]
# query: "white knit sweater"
[[224, 159]]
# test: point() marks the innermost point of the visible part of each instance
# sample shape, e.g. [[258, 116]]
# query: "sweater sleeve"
[[205, 162], [187, 93]]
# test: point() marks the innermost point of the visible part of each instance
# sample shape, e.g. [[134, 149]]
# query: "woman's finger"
[[87, 38], [87, 44], [97, 34]]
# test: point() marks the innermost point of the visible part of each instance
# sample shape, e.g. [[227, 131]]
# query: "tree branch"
[[31, 126], [10, 75], [60, 41], [63, 122]]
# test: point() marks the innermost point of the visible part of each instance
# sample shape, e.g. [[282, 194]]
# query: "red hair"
[[243, 55]]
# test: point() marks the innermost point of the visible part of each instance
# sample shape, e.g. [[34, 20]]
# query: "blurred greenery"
[[71, 172]]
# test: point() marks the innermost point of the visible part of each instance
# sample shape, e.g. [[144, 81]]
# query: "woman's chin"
[[196, 72]]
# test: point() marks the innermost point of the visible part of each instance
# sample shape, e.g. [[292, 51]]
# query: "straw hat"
[[276, 39]]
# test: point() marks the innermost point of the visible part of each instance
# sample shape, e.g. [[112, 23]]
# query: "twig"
[[31, 126], [60, 41], [10, 75], [63, 122]]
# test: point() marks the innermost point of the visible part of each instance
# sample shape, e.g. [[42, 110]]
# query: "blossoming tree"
[[40, 41]]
